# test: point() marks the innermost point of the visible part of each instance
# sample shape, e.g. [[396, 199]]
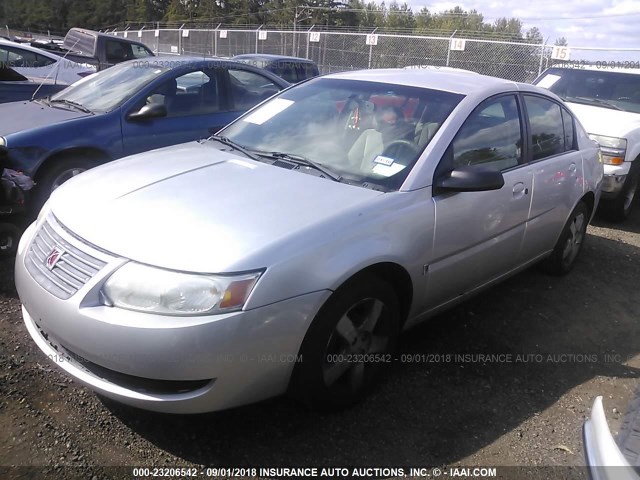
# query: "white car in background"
[[39, 64], [606, 100]]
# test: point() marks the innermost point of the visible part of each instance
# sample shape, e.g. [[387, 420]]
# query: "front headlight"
[[3, 142], [613, 149], [155, 290]]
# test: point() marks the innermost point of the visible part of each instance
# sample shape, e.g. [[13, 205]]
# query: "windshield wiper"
[[300, 160], [598, 101], [75, 105], [230, 143]]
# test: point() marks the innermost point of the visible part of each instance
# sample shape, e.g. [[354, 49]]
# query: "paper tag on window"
[[267, 111], [387, 170], [383, 160], [548, 81]]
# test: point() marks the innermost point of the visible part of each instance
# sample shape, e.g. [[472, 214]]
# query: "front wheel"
[[57, 172], [569, 245], [618, 209], [348, 345]]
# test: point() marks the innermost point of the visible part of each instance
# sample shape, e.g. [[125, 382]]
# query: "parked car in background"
[[15, 87], [609, 458], [292, 69], [607, 102], [308, 239], [34, 63], [101, 50], [135, 106]]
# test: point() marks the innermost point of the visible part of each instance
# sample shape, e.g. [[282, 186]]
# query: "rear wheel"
[[348, 345], [569, 245]]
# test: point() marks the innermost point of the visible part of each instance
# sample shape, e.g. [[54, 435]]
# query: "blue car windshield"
[[362, 132], [107, 90]]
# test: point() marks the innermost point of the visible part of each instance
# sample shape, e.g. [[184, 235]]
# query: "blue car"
[[132, 107]]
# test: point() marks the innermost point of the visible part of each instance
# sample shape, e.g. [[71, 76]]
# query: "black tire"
[[320, 379], [569, 245], [56, 172], [618, 209], [9, 237], [629, 436]]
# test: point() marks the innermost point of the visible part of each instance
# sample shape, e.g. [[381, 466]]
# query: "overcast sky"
[[588, 23]]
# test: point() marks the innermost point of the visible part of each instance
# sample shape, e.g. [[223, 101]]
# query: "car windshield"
[[614, 90], [366, 133], [107, 90]]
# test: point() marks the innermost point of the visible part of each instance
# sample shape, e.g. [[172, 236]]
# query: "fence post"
[[308, 35], [449, 46], [257, 34], [541, 58], [371, 48], [215, 41], [180, 52]]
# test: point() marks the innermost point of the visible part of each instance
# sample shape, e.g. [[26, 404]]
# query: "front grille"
[[69, 273]]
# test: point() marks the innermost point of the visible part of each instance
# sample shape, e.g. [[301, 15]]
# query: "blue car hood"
[[18, 116]]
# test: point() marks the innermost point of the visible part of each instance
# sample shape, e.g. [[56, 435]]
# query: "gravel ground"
[[569, 340]]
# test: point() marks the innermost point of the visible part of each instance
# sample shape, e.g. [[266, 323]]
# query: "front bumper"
[[614, 178], [602, 455], [164, 363]]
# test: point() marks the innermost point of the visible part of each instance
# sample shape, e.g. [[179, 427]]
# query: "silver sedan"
[[289, 252]]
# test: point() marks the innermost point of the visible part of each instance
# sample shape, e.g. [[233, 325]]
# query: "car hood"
[[193, 207], [605, 121], [19, 116]]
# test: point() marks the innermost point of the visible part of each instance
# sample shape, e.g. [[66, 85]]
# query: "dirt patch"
[[506, 379]]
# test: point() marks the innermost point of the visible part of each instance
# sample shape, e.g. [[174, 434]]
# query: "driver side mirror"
[[470, 179], [147, 112]]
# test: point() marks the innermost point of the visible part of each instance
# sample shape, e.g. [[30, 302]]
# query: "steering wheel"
[[401, 149]]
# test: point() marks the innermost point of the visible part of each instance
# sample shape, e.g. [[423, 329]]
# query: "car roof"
[[103, 34], [29, 48], [174, 62], [439, 79], [437, 67], [269, 56]]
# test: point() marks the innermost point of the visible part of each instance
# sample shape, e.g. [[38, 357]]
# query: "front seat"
[[428, 125], [367, 147]]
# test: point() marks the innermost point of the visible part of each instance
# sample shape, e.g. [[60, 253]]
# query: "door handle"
[[216, 129], [520, 190]]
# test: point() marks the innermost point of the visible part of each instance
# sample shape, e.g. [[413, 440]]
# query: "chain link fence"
[[339, 51]]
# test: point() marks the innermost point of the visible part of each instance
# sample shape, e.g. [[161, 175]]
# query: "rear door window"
[[249, 88], [547, 135]]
